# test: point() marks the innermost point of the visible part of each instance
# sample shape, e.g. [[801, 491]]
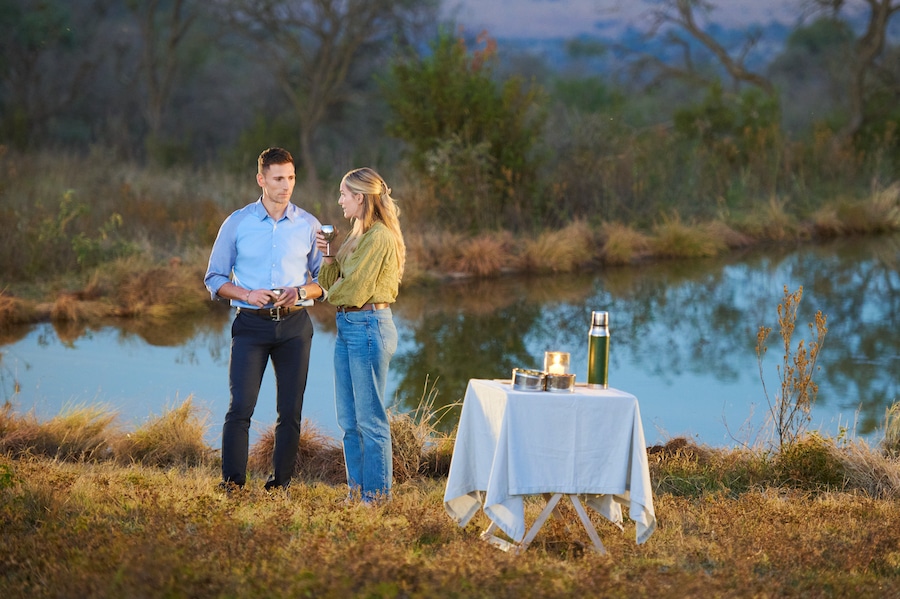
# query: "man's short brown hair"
[[272, 156]]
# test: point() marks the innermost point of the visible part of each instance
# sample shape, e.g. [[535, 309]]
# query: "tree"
[[867, 60], [313, 48], [675, 19], [471, 137], [162, 25], [48, 53]]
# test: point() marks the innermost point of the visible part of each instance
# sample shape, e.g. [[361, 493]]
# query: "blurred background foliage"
[[118, 114]]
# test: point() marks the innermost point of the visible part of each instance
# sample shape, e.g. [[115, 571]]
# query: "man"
[[266, 262]]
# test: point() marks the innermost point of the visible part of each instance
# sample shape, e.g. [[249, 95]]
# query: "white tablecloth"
[[516, 443]]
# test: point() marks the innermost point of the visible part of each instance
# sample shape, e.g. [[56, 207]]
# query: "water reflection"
[[683, 341], [672, 322]]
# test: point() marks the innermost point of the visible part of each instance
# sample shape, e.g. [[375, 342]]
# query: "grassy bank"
[[91, 510], [96, 238]]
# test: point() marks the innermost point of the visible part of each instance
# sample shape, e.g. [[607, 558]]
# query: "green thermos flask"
[[598, 351]]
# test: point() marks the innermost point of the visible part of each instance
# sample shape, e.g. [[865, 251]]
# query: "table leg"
[[545, 513], [549, 509], [588, 525], [489, 536]]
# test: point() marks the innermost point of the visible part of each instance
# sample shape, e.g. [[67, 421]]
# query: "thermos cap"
[[600, 319]]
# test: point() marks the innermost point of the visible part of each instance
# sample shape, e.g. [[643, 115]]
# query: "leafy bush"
[[471, 138]]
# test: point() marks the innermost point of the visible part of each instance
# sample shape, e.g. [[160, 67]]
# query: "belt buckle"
[[275, 314]]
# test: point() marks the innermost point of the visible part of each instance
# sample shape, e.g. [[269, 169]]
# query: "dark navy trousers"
[[254, 341]]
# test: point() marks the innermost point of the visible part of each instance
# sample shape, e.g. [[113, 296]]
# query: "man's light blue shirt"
[[254, 251]]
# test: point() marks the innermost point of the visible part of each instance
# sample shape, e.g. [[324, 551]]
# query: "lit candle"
[[556, 362]]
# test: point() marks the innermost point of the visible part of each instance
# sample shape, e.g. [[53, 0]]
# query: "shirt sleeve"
[[222, 257]]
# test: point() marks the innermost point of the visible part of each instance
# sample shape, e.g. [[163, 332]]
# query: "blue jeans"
[[363, 348]]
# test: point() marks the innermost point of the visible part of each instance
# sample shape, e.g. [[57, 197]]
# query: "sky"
[[568, 18]]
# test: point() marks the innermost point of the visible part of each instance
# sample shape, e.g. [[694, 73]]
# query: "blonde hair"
[[378, 206]]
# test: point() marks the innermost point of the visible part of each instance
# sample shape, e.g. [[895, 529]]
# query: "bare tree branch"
[[677, 18], [867, 51], [312, 46]]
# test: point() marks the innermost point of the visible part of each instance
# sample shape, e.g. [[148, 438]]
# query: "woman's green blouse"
[[370, 274]]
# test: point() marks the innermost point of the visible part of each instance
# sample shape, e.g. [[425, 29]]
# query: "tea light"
[[556, 362]]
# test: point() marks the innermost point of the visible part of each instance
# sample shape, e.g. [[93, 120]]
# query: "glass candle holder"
[[556, 362]]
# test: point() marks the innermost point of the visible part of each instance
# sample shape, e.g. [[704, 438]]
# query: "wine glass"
[[328, 233]]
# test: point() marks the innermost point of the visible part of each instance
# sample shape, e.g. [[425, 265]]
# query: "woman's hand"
[[322, 246]]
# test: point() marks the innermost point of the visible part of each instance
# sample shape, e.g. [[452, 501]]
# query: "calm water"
[[683, 341]]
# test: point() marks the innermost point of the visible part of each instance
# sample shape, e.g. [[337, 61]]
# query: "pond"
[[683, 340]]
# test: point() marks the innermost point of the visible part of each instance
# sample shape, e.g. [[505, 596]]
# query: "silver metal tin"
[[560, 383], [528, 380]]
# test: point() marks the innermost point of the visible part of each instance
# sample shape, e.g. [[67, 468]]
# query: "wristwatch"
[[301, 293]]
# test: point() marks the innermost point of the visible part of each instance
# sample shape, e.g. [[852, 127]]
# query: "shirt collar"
[[290, 213]]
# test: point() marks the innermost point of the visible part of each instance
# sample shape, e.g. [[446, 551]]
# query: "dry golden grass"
[[107, 530], [485, 255], [622, 244], [69, 307], [817, 520], [564, 250], [890, 445], [139, 286], [79, 432], [14, 310], [430, 253], [174, 438], [879, 214], [418, 448], [320, 457], [725, 235], [675, 239], [772, 222]]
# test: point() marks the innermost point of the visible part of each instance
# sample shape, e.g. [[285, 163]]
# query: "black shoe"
[[273, 485]]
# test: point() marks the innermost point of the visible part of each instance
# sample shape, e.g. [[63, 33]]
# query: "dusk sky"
[[567, 18]]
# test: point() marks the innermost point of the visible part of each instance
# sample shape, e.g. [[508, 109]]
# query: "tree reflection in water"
[[669, 319]]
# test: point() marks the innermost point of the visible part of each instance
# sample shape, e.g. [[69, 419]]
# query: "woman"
[[362, 281]]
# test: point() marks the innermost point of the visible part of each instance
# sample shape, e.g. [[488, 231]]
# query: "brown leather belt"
[[363, 308], [271, 313]]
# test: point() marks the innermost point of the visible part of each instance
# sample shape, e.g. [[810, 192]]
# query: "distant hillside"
[[556, 52]]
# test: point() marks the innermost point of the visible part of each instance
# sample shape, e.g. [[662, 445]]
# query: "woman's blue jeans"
[[363, 348]]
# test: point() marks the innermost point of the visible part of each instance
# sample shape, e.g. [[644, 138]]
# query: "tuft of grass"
[[175, 438], [683, 468], [674, 239], [772, 222], [320, 457], [872, 472], [485, 255], [14, 310], [622, 244], [8, 420], [890, 445], [880, 213], [78, 432], [75, 308], [429, 250], [725, 235], [418, 446], [810, 463], [563, 250], [139, 286]]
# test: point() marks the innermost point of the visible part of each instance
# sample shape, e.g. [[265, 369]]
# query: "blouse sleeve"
[[328, 274], [362, 273]]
